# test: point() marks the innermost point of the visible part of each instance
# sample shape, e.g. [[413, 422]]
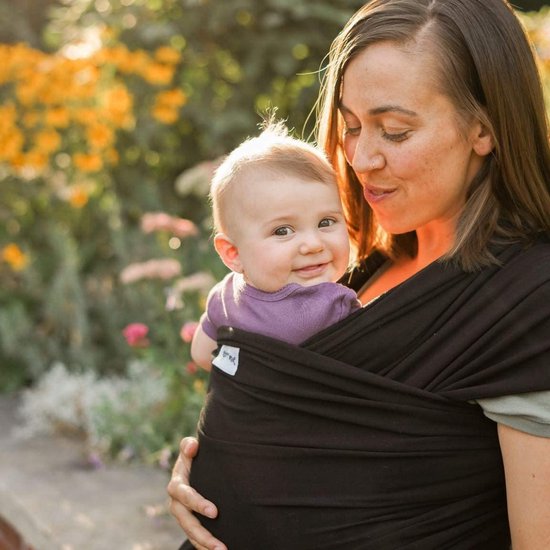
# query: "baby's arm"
[[202, 347]]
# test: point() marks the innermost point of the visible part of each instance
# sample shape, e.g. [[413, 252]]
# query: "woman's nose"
[[366, 158], [364, 162]]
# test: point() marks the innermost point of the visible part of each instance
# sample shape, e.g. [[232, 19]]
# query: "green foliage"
[[239, 59]]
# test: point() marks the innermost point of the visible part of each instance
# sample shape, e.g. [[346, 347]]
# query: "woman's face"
[[403, 141]]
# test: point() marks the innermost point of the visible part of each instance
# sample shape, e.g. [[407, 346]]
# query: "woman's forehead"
[[387, 76]]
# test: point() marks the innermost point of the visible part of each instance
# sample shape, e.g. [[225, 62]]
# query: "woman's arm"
[[184, 500], [527, 468]]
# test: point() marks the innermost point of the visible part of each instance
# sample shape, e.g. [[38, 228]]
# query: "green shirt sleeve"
[[527, 412]]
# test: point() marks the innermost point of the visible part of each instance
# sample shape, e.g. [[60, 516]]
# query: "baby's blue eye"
[[282, 231], [326, 222]]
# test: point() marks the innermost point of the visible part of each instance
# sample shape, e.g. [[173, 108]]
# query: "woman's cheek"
[[349, 145]]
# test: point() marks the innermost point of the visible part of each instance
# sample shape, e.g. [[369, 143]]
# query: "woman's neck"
[[433, 242]]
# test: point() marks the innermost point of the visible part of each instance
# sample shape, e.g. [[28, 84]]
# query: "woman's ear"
[[483, 142], [228, 252]]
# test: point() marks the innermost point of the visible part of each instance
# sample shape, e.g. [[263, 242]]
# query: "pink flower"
[[191, 367], [164, 458], [94, 460], [188, 330], [160, 221], [136, 335], [197, 281], [152, 269]]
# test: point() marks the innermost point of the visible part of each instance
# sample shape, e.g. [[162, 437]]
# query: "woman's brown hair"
[[487, 68]]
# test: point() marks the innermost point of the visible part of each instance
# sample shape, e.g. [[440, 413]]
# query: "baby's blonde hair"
[[275, 150]]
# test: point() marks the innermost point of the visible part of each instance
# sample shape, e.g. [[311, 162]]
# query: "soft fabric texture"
[[292, 314], [364, 437]]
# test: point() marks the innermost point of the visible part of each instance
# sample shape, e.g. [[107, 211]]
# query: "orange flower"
[[118, 106], [14, 257], [167, 54], [47, 141], [171, 98], [99, 136], [11, 145], [78, 197], [166, 115], [158, 73], [88, 162], [58, 117], [31, 119], [35, 159], [111, 156], [85, 115]]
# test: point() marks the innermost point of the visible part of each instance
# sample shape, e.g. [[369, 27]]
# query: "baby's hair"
[[274, 150]]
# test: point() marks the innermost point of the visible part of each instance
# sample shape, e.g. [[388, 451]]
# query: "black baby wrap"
[[364, 437]]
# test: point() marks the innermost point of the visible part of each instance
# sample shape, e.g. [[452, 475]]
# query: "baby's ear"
[[228, 252]]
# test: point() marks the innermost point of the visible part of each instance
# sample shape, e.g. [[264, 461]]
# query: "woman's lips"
[[375, 194]]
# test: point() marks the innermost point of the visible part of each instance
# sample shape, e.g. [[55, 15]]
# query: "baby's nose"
[[311, 244]]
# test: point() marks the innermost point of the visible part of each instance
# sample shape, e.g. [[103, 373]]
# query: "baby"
[[280, 229]]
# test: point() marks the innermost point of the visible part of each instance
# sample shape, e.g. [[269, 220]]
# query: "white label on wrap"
[[227, 359]]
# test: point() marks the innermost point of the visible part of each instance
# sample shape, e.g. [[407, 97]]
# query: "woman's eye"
[[282, 231], [397, 137], [326, 222], [349, 131]]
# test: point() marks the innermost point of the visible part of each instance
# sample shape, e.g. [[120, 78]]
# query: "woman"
[[432, 113]]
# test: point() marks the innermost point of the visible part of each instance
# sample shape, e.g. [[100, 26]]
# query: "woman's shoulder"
[[534, 257]]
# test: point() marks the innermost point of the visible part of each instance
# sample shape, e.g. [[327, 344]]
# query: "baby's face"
[[289, 230]]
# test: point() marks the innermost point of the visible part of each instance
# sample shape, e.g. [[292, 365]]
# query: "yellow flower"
[[199, 386], [111, 156], [58, 117], [99, 136], [85, 115], [158, 73], [34, 159], [167, 54], [47, 141], [171, 98], [14, 257], [167, 104], [134, 62], [88, 162], [31, 119], [11, 145], [166, 115], [11, 138], [78, 197], [118, 106]]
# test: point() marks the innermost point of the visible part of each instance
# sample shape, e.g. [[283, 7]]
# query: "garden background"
[[113, 114]]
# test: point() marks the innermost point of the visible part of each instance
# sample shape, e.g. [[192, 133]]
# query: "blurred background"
[[113, 115]]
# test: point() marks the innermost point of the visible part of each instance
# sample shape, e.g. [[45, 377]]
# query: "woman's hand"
[[184, 500]]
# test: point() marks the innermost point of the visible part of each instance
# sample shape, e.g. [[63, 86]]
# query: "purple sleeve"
[[349, 302], [213, 316]]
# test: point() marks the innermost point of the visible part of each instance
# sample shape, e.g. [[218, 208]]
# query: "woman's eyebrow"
[[381, 110]]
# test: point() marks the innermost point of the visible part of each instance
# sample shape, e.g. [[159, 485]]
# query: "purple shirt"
[[293, 313]]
